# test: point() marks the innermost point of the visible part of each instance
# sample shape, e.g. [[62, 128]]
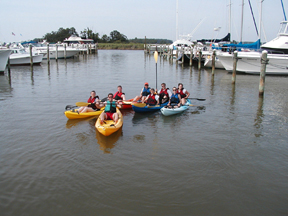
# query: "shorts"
[[109, 115]]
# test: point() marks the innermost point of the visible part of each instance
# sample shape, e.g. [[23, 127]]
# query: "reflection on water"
[[107, 143], [259, 117]]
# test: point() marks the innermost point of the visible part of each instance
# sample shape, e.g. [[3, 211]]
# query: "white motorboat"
[[208, 61], [279, 44], [22, 57], [4, 55], [59, 53], [250, 62]]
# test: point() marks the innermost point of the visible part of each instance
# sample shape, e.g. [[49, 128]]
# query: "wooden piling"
[[182, 55], [191, 56], [213, 62], [235, 59], [199, 59], [9, 71], [56, 57], [31, 55], [264, 62], [48, 54], [65, 51]]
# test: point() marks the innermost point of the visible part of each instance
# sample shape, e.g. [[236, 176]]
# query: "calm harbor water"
[[226, 156]]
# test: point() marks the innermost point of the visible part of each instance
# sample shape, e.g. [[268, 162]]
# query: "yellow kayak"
[[74, 115], [108, 127]]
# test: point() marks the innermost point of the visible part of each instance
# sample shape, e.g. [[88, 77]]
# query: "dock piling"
[[235, 59], [213, 62], [264, 62], [199, 59], [48, 56]]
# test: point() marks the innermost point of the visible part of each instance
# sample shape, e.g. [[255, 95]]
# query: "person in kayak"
[[151, 99], [164, 94], [183, 93], [94, 100], [110, 109], [143, 94], [119, 95], [174, 99]]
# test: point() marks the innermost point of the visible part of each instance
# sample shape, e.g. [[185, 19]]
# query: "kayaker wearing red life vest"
[[183, 93], [110, 109], [151, 99], [94, 100], [164, 94], [143, 94], [119, 95]]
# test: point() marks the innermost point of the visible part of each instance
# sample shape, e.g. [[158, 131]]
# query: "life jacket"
[[146, 92], [110, 107], [174, 98], [92, 101], [163, 93], [151, 100], [181, 93], [117, 95]]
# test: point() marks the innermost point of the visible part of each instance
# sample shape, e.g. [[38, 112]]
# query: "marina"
[[224, 155]]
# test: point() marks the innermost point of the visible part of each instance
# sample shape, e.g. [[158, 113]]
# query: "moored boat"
[[109, 126], [22, 57], [4, 55], [74, 115], [173, 111]]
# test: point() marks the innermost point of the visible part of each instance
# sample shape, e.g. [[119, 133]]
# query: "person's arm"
[[179, 104], [146, 98], [119, 105], [187, 94], [123, 96]]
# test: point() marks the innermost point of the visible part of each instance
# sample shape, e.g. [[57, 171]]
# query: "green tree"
[[116, 36], [60, 35]]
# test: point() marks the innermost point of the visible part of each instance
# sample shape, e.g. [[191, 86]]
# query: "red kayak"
[[127, 104]]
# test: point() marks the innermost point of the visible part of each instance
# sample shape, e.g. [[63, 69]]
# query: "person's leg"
[[136, 98], [80, 109], [102, 117], [115, 117]]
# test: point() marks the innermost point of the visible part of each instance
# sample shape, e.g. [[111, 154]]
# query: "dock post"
[[87, 49], [9, 71], [48, 56], [31, 55], [213, 61], [264, 62], [235, 59], [182, 55], [64, 51], [56, 57], [199, 59], [177, 53], [191, 56]]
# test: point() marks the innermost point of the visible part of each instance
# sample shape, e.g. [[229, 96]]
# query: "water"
[[227, 156]]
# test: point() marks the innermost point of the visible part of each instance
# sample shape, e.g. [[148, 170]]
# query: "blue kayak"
[[148, 108]]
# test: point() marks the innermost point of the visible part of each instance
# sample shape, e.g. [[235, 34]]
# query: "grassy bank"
[[121, 46]]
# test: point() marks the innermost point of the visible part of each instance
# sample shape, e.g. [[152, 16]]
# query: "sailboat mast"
[[242, 21], [177, 33], [260, 19], [230, 18]]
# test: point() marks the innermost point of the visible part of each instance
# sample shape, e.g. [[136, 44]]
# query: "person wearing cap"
[[184, 94], [151, 99], [144, 93]]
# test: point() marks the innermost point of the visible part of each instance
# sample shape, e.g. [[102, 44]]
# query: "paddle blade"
[[79, 104], [138, 104]]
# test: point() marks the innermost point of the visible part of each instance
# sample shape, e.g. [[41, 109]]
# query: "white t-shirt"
[[168, 91]]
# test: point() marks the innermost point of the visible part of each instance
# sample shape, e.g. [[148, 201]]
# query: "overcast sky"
[[138, 18]]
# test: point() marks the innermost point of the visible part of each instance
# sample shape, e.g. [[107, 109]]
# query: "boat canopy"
[[226, 38], [255, 45], [283, 28]]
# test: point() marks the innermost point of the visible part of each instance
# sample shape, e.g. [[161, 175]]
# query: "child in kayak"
[[151, 99], [174, 99], [143, 94], [184, 94], [94, 100], [119, 95], [110, 110]]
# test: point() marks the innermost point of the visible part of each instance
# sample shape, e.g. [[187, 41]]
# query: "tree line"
[[114, 37]]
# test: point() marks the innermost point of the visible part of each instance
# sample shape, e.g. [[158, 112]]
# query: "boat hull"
[[250, 63], [109, 127], [148, 108], [4, 55], [174, 111], [74, 115], [24, 59]]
